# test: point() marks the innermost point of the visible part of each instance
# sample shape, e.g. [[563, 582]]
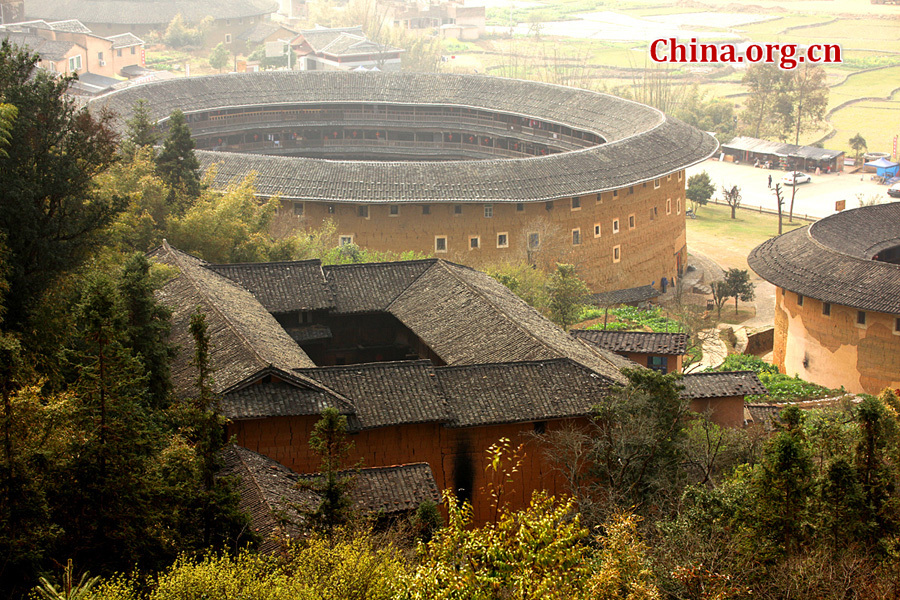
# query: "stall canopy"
[[782, 155], [884, 167]]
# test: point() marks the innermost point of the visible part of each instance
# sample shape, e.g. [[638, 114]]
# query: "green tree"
[[8, 114], [176, 163], [219, 56], [700, 189], [803, 100], [739, 286], [141, 129], [763, 81], [180, 34], [568, 293], [329, 441], [858, 143], [721, 292], [50, 212]]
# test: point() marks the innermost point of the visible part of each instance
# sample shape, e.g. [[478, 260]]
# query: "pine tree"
[[329, 440], [141, 129], [176, 163]]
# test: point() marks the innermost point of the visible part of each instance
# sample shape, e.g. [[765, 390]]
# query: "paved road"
[[814, 199]]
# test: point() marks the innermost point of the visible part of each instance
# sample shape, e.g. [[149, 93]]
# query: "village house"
[[112, 17], [343, 49], [431, 362]]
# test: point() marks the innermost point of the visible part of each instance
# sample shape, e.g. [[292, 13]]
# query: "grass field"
[[876, 84], [728, 241], [877, 122]]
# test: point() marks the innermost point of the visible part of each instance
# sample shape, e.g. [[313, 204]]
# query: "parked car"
[[796, 177], [894, 190]]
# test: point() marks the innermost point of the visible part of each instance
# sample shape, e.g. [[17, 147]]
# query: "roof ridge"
[[559, 359], [237, 452], [742, 372], [380, 263], [221, 313], [298, 377], [266, 263], [371, 365]]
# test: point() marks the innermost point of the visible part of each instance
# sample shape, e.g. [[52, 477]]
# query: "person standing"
[[770, 182]]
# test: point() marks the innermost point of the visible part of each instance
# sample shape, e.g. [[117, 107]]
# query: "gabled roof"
[[721, 385], [635, 341], [388, 393], [270, 495], [520, 391], [125, 40], [319, 38], [283, 286], [146, 12], [262, 30], [246, 339], [70, 25], [371, 287], [831, 260], [274, 393], [47, 49]]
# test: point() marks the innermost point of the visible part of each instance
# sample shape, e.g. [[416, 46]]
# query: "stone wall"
[[834, 350], [647, 251]]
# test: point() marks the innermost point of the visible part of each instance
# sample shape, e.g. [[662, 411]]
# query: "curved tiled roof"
[[147, 12], [642, 143], [831, 260]]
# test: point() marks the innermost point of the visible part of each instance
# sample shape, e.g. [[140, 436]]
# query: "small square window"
[[534, 241], [393, 210], [826, 309], [615, 226], [298, 209], [331, 209], [549, 205], [474, 242], [596, 229], [503, 240], [363, 211], [426, 209], [860, 317], [897, 325], [643, 185], [656, 184], [540, 427], [680, 173], [488, 211], [227, 38], [576, 203], [630, 190], [457, 209], [615, 193], [133, 50], [669, 177], [630, 221], [440, 244], [346, 239], [668, 206], [119, 52], [678, 206], [617, 255], [799, 299], [520, 207], [576, 237]]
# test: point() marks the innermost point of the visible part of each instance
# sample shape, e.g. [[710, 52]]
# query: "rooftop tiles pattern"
[[392, 393], [282, 287], [643, 143], [635, 341], [721, 385], [830, 260], [521, 391], [372, 287]]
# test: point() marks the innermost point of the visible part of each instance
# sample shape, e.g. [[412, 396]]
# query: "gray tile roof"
[[146, 12], [642, 143], [721, 385], [318, 39], [125, 40], [282, 287], [70, 25], [270, 496], [830, 260], [246, 339], [47, 49], [277, 394], [520, 391], [261, 31], [371, 287], [388, 393], [635, 294], [635, 341], [780, 149]]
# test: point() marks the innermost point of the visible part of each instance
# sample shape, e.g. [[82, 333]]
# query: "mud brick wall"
[[648, 251], [724, 412], [834, 350], [458, 456]]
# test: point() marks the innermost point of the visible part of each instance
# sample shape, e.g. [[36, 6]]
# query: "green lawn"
[[715, 234], [878, 122]]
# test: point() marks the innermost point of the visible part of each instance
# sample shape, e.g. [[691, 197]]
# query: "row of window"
[[860, 314], [394, 210], [534, 242]]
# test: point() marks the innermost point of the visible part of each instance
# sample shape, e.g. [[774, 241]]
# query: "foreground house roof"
[[642, 143], [832, 259], [642, 342], [271, 497], [146, 12]]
